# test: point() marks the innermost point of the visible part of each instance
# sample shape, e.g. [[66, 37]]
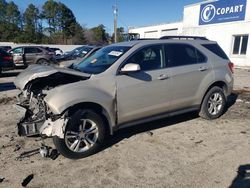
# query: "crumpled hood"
[[39, 71]]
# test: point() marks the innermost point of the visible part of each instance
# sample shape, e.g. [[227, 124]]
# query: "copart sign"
[[222, 11]]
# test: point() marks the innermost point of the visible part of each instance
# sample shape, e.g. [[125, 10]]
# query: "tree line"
[[54, 23]]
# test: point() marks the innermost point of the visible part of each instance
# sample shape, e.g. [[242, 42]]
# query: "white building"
[[224, 21]]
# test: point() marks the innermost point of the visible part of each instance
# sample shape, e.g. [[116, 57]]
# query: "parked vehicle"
[[6, 61], [79, 52], [26, 55], [5, 48], [57, 51], [70, 63], [121, 85]]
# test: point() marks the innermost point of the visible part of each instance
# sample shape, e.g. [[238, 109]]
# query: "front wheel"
[[214, 104], [84, 135]]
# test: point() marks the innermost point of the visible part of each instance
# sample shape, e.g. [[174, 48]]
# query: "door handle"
[[163, 77], [202, 69]]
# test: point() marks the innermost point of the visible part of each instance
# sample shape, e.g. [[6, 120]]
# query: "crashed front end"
[[37, 118]]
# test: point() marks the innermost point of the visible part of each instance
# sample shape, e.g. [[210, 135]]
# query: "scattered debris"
[[199, 142], [17, 147], [28, 153], [44, 151], [54, 154], [150, 133], [11, 138], [1, 179], [6, 146], [27, 180], [239, 100]]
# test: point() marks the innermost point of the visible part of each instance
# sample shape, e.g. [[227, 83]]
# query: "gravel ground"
[[183, 151]]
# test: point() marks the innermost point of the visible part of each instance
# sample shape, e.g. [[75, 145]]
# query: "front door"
[[18, 54], [146, 92]]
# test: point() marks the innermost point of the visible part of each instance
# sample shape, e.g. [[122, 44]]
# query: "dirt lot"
[[184, 151]]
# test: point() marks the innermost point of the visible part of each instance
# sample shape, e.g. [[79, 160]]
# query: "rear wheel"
[[84, 135], [43, 62], [214, 103]]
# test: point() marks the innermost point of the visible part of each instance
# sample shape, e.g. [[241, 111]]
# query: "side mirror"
[[131, 67]]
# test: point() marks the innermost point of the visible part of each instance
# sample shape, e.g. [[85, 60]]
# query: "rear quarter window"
[[216, 49]]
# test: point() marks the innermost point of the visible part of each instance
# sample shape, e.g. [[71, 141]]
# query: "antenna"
[[115, 9]]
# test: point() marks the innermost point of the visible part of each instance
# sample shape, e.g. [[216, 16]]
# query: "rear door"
[[144, 93], [31, 54], [189, 67]]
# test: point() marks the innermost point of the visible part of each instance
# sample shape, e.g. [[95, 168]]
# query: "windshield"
[[101, 60]]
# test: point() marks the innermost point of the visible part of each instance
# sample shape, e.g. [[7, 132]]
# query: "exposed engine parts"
[[37, 117]]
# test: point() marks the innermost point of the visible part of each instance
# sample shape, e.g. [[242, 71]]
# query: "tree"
[[50, 13], [66, 22], [120, 32], [3, 5], [31, 16], [13, 14], [99, 35]]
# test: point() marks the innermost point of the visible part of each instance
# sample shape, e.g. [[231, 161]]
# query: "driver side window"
[[149, 58], [18, 51]]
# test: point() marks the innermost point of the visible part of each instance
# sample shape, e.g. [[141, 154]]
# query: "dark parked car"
[[5, 48], [74, 62], [6, 61], [26, 55], [77, 52]]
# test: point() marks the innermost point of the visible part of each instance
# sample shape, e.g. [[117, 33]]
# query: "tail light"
[[7, 58], [231, 67]]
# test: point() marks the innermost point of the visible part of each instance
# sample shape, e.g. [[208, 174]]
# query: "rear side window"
[[32, 50], [216, 49], [182, 54]]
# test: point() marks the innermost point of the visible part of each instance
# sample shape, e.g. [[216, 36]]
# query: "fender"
[[64, 97]]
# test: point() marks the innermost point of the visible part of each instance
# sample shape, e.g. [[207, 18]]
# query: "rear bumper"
[[6, 65]]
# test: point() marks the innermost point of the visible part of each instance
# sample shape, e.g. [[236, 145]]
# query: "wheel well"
[[96, 108], [221, 85], [42, 59]]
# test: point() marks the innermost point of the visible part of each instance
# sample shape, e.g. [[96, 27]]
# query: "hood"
[[39, 71]]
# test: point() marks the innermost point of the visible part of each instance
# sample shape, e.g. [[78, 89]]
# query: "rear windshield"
[[216, 49]]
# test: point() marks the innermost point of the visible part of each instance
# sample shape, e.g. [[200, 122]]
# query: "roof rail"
[[184, 37]]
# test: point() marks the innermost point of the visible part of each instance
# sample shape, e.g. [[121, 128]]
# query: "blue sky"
[[91, 13]]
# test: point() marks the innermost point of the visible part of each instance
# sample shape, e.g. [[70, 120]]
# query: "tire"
[[213, 104], [43, 62], [83, 143]]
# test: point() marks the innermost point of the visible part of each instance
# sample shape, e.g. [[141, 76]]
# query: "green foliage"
[[54, 23]]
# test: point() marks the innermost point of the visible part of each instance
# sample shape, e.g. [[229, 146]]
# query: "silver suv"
[[26, 55], [121, 85]]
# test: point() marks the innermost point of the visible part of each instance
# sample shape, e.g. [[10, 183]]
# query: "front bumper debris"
[[26, 128]]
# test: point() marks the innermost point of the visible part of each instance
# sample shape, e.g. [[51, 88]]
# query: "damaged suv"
[[122, 85]]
